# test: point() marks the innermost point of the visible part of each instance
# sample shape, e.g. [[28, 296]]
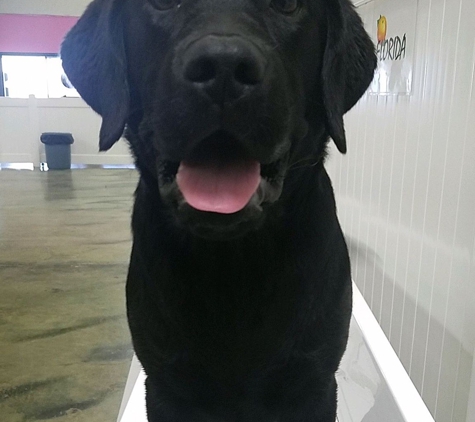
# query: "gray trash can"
[[58, 149]]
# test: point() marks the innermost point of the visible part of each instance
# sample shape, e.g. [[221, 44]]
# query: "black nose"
[[224, 67]]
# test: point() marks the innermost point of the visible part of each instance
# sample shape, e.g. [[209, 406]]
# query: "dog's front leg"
[[321, 407], [163, 408], [318, 405]]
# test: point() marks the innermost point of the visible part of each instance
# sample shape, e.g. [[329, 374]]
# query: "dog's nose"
[[224, 67]]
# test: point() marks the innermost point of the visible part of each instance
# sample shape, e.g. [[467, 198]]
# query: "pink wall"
[[33, 33]]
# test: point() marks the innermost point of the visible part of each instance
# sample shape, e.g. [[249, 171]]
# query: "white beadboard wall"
[[22, 121], [406, 198]]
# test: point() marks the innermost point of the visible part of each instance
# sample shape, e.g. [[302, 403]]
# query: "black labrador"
[[239, 289]]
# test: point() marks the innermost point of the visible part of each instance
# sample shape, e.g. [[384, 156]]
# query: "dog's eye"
[[165, 4], [285, 6]]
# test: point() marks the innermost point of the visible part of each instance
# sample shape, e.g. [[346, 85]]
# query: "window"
[[41, 76]]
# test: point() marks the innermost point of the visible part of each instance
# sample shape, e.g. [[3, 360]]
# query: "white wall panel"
[[72, 115], [406, 198], [23, 121], [19, 147]]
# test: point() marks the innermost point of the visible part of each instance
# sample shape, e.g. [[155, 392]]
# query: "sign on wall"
[[394, 33]]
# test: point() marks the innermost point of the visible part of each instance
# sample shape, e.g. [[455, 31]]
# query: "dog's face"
[[220, 96]]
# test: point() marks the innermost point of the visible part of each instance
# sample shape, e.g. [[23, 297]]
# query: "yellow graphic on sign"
[[382, 28]]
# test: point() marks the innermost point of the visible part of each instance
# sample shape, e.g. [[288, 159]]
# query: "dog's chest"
[[240, 292], [228, 304]]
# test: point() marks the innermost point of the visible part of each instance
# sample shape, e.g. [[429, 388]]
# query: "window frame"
[[2, 54]]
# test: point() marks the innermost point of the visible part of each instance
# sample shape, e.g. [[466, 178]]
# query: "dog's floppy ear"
[[94, 60], [348, 66]]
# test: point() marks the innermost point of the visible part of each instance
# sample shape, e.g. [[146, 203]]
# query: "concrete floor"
[[64, 248]]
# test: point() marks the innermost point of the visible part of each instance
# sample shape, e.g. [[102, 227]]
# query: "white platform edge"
[[132, 408], [405, 394], [407, 398]]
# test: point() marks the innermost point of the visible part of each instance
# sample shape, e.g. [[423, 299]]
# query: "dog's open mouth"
[[219, 176]]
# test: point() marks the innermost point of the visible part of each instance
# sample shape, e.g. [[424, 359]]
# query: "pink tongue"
[[223, 189]]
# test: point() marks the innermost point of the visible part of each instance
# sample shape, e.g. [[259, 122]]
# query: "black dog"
[[239, 292]]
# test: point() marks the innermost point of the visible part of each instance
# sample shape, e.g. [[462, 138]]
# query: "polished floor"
[[64, 247]]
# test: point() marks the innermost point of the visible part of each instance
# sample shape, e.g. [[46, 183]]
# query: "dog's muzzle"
[[228, 165]]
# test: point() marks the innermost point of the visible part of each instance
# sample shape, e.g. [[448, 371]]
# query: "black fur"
[[244, 316]]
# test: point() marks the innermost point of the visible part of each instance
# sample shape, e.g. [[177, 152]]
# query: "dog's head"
[[220, 97]]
